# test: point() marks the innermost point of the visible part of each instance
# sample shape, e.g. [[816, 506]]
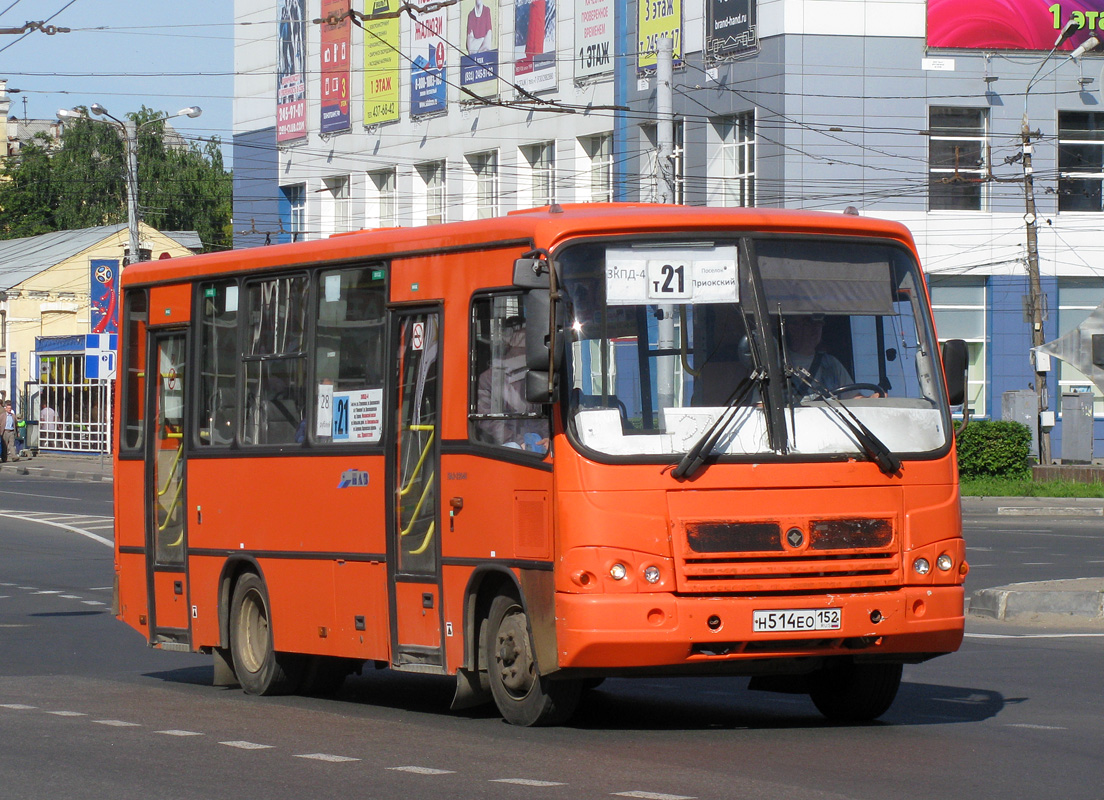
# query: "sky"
[[123, 54]]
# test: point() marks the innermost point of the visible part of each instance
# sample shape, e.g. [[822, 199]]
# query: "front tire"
[[258, 667], [523, 696], [844, 691]]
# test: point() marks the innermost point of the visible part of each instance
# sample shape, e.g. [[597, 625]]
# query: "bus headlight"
[[944, 562], [618, 572], [651, 574], [921, 566]]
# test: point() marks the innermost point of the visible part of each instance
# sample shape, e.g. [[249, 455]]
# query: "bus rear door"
[[166, 506]]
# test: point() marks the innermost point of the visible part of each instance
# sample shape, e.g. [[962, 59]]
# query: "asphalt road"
[[87, 711]]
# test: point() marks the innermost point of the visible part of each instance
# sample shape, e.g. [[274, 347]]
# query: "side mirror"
[[531, 273], [955, 360], [541, 345]]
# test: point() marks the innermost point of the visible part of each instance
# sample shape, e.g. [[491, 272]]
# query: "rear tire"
[[523, 696], [258, 667], [844, 691]]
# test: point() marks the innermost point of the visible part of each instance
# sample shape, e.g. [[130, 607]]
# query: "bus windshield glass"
[[797, 346]]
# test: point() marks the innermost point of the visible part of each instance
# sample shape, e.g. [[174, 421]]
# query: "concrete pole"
[[1035, 288], [665, 150], [130, 133]]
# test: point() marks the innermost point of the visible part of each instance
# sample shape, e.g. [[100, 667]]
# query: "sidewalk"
[[1034, 506], [70, 466]]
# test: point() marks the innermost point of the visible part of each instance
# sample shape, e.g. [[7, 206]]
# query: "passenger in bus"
[[501, 390]]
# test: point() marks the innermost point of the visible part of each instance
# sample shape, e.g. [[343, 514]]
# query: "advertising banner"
[[535, 44], [1009, 24], [291, 71], [428, 70], [730, 28], [336, 41], [594, 31], [657, 19], [104, 289], [381, 62], [479, 43]]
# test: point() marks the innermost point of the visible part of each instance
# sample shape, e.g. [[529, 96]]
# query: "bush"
[[994, 448]]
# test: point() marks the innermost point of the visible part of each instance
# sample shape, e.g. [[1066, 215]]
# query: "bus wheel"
[[844, 691], [259, 668], [522, 695]]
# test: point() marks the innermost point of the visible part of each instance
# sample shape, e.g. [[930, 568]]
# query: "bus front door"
[[414, 540], [166, 547]]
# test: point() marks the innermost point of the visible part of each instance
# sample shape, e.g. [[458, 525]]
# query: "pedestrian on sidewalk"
[[8, 426]]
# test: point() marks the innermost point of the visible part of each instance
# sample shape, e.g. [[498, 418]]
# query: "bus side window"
[[348, 354], [134, 328], [275, 361], [498, 411], [218, 363]]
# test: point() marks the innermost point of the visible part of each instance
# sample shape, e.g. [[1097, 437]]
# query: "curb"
[[63, 474], [1081, 597], [1050, 511]]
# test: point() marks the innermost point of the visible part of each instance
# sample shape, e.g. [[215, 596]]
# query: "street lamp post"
[[129, 129], [1034, 281]]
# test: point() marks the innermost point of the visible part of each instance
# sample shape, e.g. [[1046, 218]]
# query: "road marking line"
[[423, 770], [1034, 727], [17, 706], [1035, 635], [652, 796], [67, 713], [117, 723], [101, 588], [48, 591], [28, 588], [78, 597], [92, 602], [526, 782], [179, 733], [327, 757], [247, 745], [72, 529]]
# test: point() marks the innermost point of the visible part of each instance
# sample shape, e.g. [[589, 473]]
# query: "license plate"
[[800, 619]]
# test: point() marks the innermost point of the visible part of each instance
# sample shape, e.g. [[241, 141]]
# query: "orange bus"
[[535, 451]]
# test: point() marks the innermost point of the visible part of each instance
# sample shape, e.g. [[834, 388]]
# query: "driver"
[[803, 334]]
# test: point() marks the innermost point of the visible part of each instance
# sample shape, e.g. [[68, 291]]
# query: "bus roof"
[[539, 227]]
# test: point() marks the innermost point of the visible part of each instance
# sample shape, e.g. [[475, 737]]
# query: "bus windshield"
[[794, 346]]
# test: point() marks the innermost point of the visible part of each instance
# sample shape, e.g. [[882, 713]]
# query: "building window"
[[677, 176], [1077, 298], [542, 172], [737, 181], [599, 149], [382, 206], [337, 218], [957, 166], [959, 308], [432, 175], [294, 216], [485, 168], [1080, 160]]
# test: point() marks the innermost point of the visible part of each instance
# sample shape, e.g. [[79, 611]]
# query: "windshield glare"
[[657, 345]]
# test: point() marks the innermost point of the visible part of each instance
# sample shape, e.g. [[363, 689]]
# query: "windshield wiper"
[[703, 447], [874, 447]]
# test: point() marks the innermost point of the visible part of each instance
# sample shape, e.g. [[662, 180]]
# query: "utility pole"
[[130, 133], [1035, 288], [665, 176], [1036, 299]]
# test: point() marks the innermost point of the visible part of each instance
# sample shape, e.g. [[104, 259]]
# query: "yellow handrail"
[[421, 459]]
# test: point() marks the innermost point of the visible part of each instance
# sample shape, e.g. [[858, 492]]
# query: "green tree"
[[81, 182]]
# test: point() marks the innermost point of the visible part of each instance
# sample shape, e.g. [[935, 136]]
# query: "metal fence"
[[72, 414]]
